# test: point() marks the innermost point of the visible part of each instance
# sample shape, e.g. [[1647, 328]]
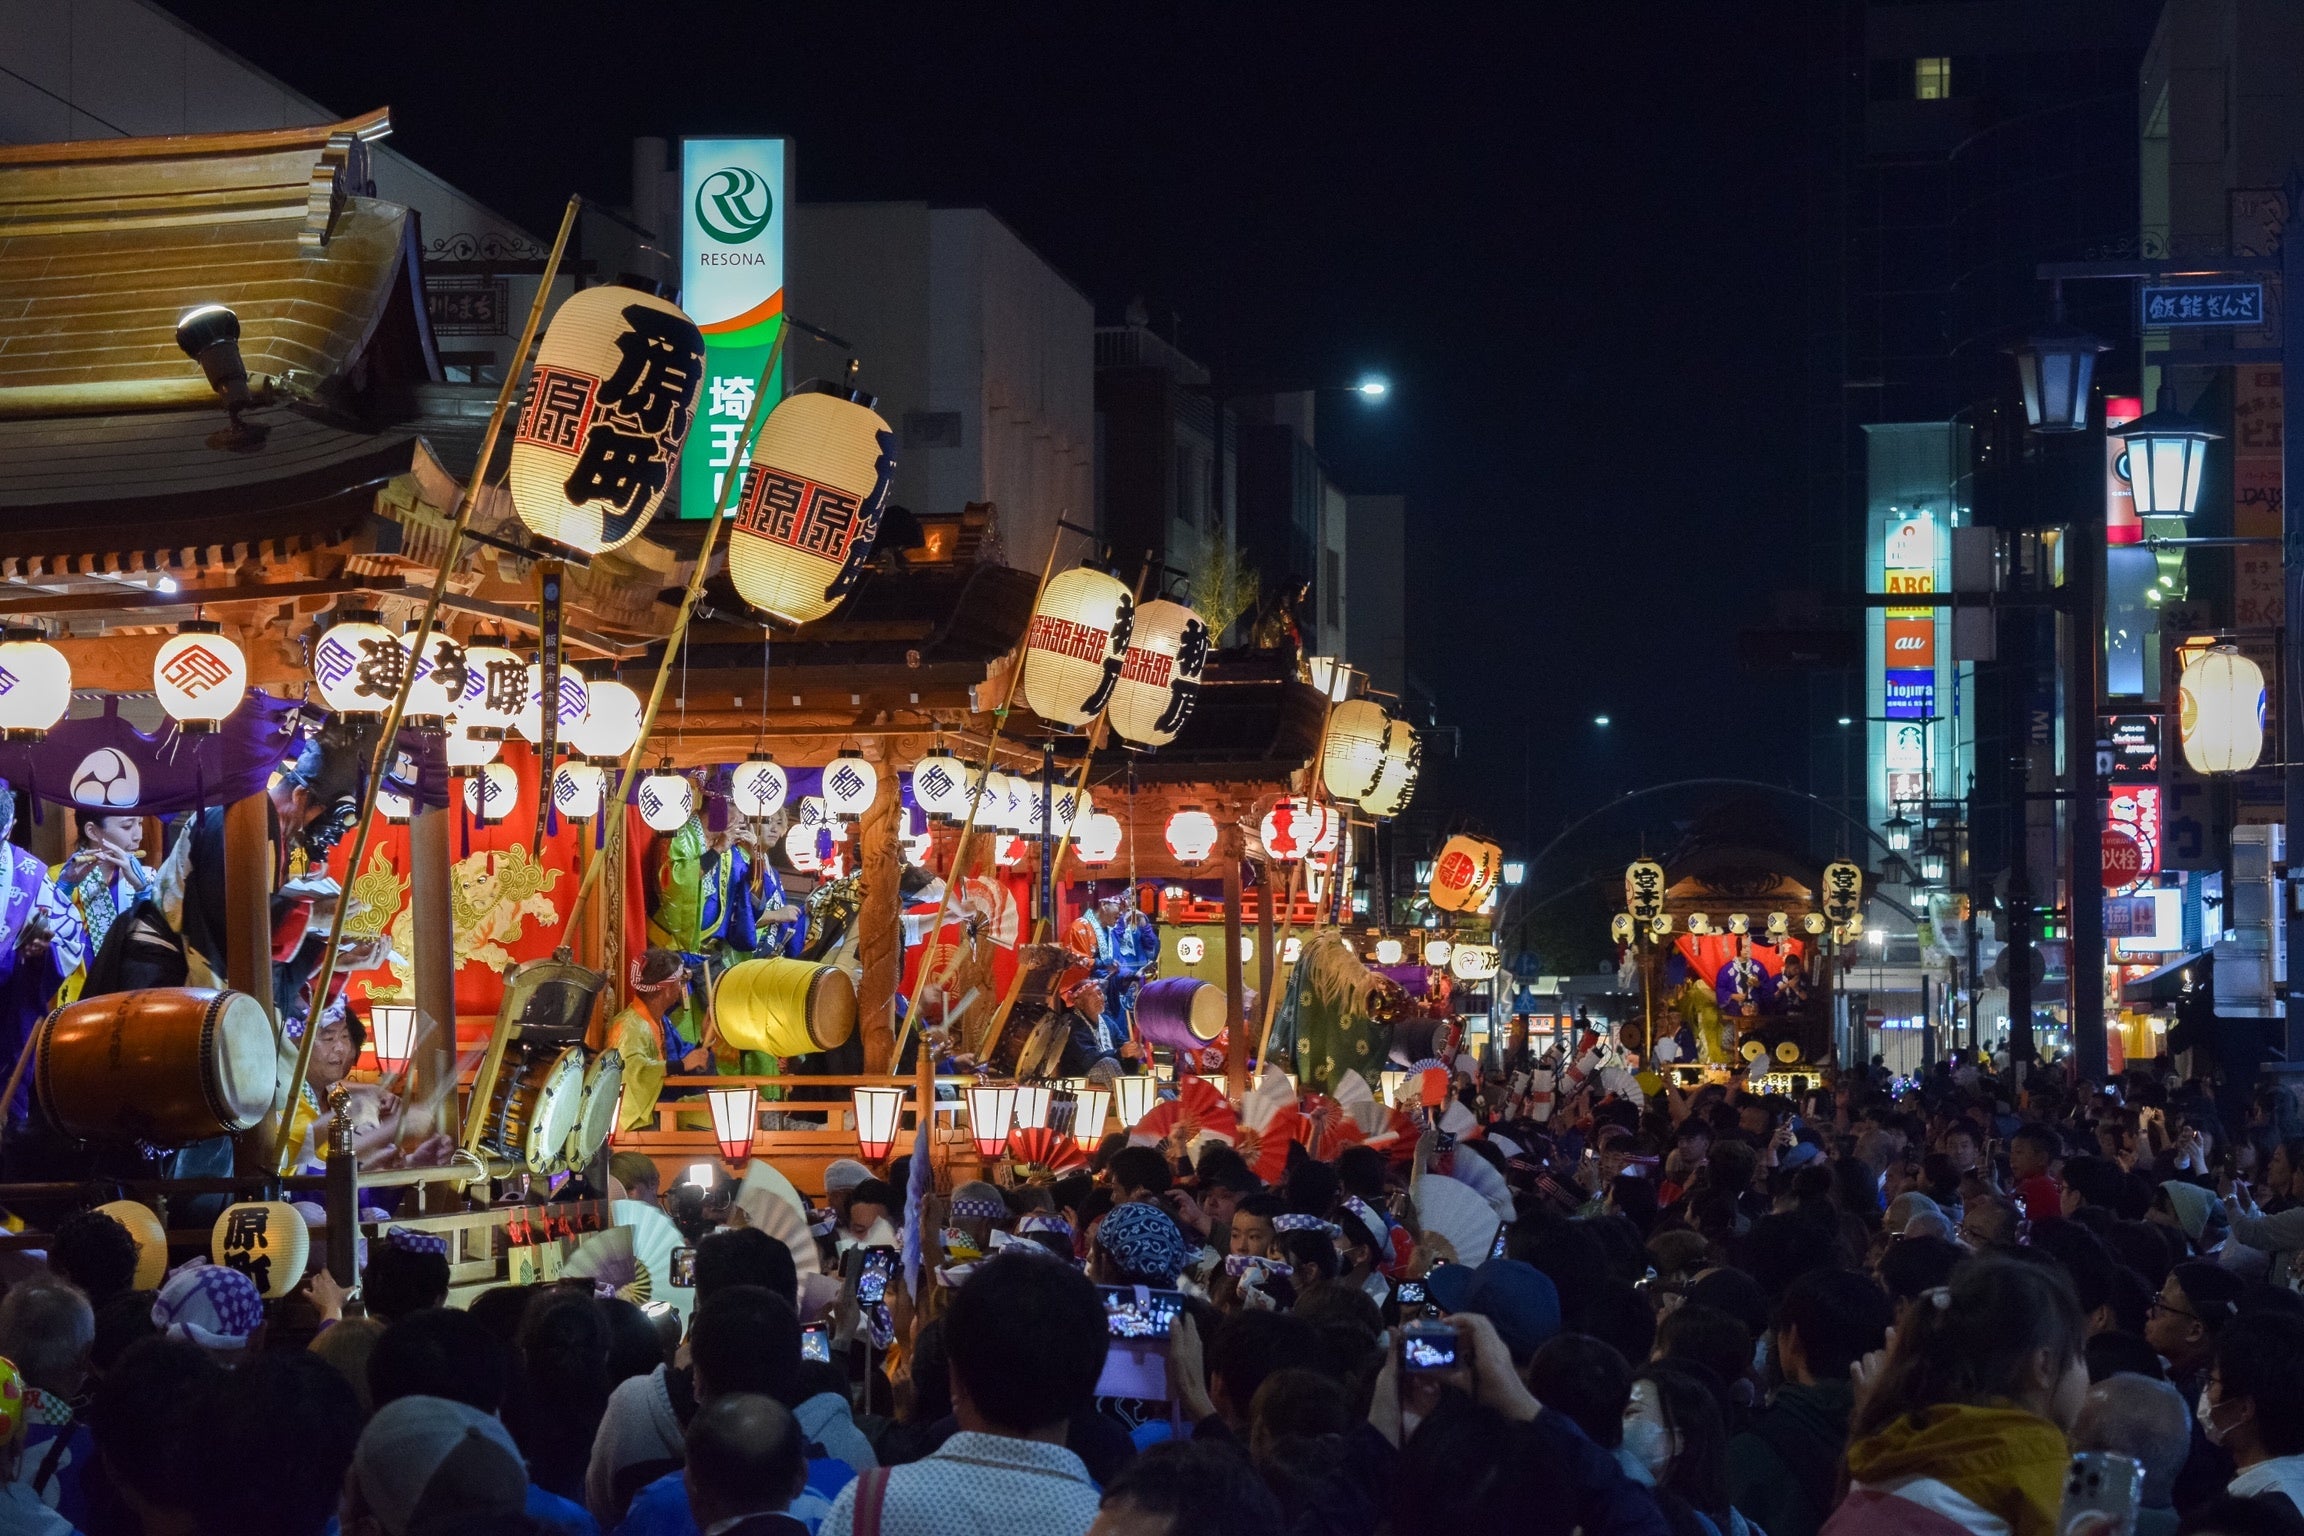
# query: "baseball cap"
[[421, 1458], [1447, 1285], [1519, 1299]]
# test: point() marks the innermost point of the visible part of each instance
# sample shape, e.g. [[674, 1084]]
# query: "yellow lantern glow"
[[1191, 835], [1160, 675], [1074, 649], [1353, 758], [809, 512], [1396, 780], [151, 1240], [267, 1241], [757, 787], [1465, 874], [199, 675], [356, 664], [392, 1031], [2221, 711], [496, 690], [1090, 1106], [608, 403]]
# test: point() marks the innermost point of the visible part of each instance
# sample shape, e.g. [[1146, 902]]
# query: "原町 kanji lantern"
[[809, 512], [850, 783], [199, 674], [2221, 711], [495, 691], [1073, 651], [267, 1241], [1191, 835], [1353, 757], [1465, 874], [1396, 781], [357, 663], [757, 787], [609, 400], [1160, 674], [940, 786]]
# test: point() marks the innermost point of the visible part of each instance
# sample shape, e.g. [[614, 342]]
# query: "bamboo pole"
[[1316, 790], [465, 504]]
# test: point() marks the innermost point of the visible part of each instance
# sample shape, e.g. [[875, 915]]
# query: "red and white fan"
[[1326, 1126], [1269, 1120], [1044, 1154], [633, 1259], [1199, 1109]]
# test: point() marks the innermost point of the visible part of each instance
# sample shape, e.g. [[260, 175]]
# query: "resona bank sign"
[[732, 199]]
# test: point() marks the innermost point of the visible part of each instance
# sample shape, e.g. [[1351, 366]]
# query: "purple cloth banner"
[[105, 766]]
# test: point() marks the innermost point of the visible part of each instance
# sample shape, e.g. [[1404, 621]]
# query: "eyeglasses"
[[2159, 1305]]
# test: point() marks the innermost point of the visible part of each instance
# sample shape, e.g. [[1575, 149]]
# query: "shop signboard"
[[734, 194], [2203, 304], [1908, 658]]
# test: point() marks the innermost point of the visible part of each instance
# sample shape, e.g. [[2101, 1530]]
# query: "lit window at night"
[[1931, 79]]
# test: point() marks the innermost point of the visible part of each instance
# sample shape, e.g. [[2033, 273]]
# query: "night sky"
[[1573, 238]]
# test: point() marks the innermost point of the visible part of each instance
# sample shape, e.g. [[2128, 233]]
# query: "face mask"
[[1650, 1445], [2206, 1412]]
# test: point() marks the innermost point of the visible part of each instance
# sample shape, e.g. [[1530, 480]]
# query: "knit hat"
[[1520, 1300], [1447, 1285], [2193, 1205], [422, 1458], [209, 1305], [1144, 1241]]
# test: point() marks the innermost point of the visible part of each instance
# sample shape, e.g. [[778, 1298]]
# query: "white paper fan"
[[1457, 1212], [1359, 1101], [1472, 1169], [633, 1258], [770, 1203]]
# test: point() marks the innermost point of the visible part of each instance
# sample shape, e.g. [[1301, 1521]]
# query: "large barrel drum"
[[785, 1007], [1180, 1012], [167, 1065]]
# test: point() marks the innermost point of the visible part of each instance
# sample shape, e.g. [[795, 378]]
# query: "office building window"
[[1931, 79]]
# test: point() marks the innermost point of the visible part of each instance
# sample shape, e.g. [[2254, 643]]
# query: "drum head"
[[596, 1118], [831, 1009], [557, 1106], [550, 999], [1208, 1009], [244, 1060]]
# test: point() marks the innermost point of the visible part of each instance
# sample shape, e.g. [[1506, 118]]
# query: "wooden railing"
[[802, 1136]]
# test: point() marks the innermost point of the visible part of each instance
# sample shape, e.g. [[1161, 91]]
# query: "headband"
[[1297, 1221], [408, 1240], [976, 1208]]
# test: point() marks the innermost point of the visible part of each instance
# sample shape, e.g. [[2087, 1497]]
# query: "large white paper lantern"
[[1191, 835], [1160, 675], [577, 788], [757, 787], [466, 751], [609, 401], [800, 848], [1465, 874], [1073, 651], [2221, 711], [1475, 962], [439, 680], [493, 792], [1098, 841], [813, 812], [1294, 829], [810, 509], [940, 786], [496, 690], [666, 801], [394, 806], [850, 784], [1403, 760], [575, 703], [357, 663], [200, 675], [611, 723], [1352, 760], [1073, 807]]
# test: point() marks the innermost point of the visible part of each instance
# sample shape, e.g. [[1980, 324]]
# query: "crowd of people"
[[1873, 1309]]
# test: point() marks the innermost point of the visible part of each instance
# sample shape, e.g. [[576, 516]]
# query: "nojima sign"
[[733, 195]]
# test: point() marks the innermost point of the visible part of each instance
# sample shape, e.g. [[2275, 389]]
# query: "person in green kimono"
[[1324, 1024]]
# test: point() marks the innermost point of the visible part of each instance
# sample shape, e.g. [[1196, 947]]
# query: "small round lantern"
[[1295, 829], [575, 704], [1465, 874], [491, 793], [940, 786], [2221, 711], [151, 1240], [199, 675], [577, 787], [267, 1241], [1073, 650], [850, 783], [1437, 951], [1098, 842], [1190, 835], [757, 787], [1389, 951], [356, 664], [666, 800]]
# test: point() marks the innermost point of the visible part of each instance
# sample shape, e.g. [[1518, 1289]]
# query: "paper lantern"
[[356, 664], [940, 786], [666, 801], [577, 788], [1842, 898], [491, 793], [1036, 810], [757, 787], [990, 1108], [267, 1241], [1000, 803], [611, 724], [464, 751], [877, 1111], [850, 783], [1437, 951], [1475, 962], [1090, 1106], [2221, 711], [800, 849], [1034, 1103], [813, 813], [1295, 829], [609, 401], [1465, 874], [151, 1240], [1353, 756], [1160, 674], [1191, 949], [1396, 780], [575, 704], [1291, 950], [439, 679], [810, 508], [1190, 835], [1073, 650], [1067, 808], [199, 675], [392, 1034], [496, 691], [735, 1117], [1134, 1092], [1098, 843], [1009, 851], [1389, 951]]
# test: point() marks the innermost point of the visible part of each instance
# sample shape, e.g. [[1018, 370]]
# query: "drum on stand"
[[534, 1109], [166, 1065], [596, 1109], [1182, 1013], [785, 1007]]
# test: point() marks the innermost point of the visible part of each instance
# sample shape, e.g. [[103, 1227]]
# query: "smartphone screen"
[[684, 1268], [1136, 1366], [816, 1342], [1140, 1317], [1409, 1293], [872, 1279], [1427, 1347], [1496, 1248]]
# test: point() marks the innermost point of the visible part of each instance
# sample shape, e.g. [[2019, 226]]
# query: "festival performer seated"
[[648, 1038], [376, 1112], [1088, 1036], [41, 943], [102, 878]]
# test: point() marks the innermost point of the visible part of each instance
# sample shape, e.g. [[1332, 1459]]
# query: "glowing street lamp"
[[1372, 388], [2167, 454]]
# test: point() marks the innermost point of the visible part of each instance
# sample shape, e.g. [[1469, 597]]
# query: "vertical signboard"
[[732, 199], [2258, 600], [1910, 570], [2121, 524]]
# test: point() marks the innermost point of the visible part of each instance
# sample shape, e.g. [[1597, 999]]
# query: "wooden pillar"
[[248, 949], [880, 944], [52, 832], [1235, 1004], [432, 1073], [1268, 890]]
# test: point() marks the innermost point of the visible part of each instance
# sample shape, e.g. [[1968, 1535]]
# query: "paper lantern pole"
[[515, 373]]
